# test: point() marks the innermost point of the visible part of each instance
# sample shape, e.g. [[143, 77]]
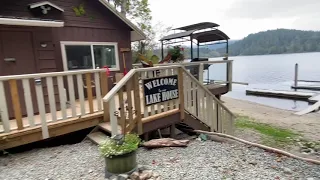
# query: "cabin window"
[[85, 55]]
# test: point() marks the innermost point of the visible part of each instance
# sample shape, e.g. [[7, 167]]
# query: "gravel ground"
[[201, 160]]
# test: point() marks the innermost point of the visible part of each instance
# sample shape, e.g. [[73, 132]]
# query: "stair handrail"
[[207, 90], [130, 74]]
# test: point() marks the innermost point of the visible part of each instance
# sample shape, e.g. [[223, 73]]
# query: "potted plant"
[[120, 153], [176, 53]]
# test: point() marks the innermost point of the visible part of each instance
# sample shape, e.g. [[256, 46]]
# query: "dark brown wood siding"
[[97, 25]]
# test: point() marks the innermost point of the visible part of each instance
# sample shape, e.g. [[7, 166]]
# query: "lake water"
[[270, 72]]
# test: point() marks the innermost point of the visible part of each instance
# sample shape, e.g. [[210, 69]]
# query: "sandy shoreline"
[[308, 125]]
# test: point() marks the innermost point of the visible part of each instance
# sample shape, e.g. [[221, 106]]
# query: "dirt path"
[[308, 125]]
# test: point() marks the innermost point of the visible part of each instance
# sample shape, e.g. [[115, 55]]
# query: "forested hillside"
[[276, 42]]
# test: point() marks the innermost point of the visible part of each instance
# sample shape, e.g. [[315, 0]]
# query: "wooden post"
[[89, 92], [16, 103], [113, 118], [129, 99], [229, 75], [104, 91], [181, 93], [4, 109], [122, 111], [200, 78], [296, 75], [137, 102]]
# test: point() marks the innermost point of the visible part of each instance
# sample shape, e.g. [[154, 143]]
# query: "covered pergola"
[[201, 34]]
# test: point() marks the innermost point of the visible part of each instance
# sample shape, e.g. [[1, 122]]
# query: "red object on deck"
[[107, 70], [125, 71]]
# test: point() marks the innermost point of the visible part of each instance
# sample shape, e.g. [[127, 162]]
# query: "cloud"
[[238, 18], [265, 9]]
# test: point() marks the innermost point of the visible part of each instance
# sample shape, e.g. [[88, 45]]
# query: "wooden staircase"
[[195, 108], [101, 133]]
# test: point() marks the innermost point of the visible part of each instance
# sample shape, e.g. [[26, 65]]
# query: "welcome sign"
[[157, 90]]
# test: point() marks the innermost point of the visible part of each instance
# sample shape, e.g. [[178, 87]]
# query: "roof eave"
[[27, 22], [137, 35]]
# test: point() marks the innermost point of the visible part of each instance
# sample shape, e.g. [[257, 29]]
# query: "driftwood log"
[[270, 149], [165, 142]]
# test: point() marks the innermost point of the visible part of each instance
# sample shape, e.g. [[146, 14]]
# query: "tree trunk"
[[123, 7]]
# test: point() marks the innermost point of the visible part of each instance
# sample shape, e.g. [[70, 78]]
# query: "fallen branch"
[[165, 142], [260, 146]]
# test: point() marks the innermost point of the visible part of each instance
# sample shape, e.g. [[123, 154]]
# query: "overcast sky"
[[238, 18]]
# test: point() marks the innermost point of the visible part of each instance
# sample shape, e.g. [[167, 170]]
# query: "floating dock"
[[313, 88], [281, 94]]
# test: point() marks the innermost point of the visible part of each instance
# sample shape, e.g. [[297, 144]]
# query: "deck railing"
[[202, 104], [49, 97], [221, 71], [128, 109]]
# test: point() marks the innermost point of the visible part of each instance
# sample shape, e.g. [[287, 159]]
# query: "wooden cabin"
[[50, 36], [52, 82]]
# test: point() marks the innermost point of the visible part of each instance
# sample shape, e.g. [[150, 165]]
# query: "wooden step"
[[98, 137], [106, 126]]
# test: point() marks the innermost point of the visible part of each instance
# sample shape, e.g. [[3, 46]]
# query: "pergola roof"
[[209, 36], [198, 26], [178, 35], [201, 37]]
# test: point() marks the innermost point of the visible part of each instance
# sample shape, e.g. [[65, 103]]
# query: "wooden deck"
[[48, 116], [84, 108]]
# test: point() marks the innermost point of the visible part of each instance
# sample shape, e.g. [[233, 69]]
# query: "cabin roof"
[[198, 26], [136, 33]]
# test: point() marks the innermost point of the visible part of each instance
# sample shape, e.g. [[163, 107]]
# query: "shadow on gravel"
[[71, 138]]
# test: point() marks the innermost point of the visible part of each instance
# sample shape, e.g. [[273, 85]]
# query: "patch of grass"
[[272, 136]]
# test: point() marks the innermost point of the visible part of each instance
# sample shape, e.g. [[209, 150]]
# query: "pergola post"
[[198, 49], [191, 47], [227, 49], [162, 55]]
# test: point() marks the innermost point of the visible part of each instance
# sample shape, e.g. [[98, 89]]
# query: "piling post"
[[296, 75]]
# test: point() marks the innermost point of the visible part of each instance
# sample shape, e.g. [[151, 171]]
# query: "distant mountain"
[[278, 41], [220, 46]]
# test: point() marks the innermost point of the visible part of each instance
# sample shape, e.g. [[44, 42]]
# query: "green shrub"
[[111, 148]]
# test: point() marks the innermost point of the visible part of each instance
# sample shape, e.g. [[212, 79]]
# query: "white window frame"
[[91, 44]]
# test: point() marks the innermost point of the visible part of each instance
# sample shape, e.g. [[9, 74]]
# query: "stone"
[[134, 176], [145, 175], [287, 170], [90, 171], [305, 150], [123, 177], [253, 163], [155, 175], [141, 168], [310, 178]]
